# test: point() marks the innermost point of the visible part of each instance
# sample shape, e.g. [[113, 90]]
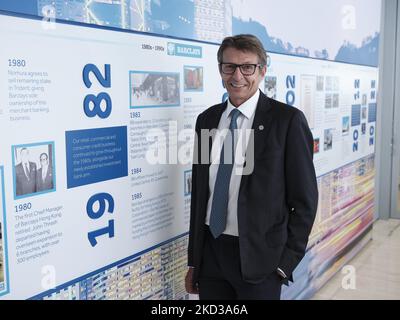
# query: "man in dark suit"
[[249, 228], [25, 175], [44, 177]]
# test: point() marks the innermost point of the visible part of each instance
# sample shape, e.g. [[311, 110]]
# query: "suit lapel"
[[260, 129], [213, 117], [261, 123]]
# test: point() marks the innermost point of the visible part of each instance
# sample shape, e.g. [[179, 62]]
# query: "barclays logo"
[[171, 48], [184, 50]]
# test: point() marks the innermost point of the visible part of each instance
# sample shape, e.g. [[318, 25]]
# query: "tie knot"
[[235, 113]]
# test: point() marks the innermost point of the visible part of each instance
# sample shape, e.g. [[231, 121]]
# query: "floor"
[[377, 269]]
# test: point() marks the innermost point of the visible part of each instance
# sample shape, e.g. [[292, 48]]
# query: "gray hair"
[[243, 42]]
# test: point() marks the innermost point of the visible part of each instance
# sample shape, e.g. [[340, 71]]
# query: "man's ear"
[[264, 71]]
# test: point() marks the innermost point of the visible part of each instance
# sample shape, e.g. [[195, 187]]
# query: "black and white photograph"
[[34, 171], [364, 113], [188, 182], [332, 84], [154, 89], [270, 87], [335, 83], [328, 139], [320, 83], [335, 100], [328, 83], [193, 78], [364, 100], [328, 101]]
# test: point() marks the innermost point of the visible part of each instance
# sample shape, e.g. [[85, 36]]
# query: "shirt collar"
[[247, 108]]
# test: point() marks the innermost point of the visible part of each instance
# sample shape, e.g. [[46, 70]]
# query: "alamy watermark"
[[205, 147], [49, 17], [350, 278]]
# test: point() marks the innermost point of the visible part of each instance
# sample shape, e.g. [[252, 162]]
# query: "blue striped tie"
[[219, 207]]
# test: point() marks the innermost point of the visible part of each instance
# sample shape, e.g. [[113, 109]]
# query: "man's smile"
[[236, 85]]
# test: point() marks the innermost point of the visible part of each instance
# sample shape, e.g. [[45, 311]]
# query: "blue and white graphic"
[[122, 219], [340, 30], [111, 204], [184, 50], [95, 155]]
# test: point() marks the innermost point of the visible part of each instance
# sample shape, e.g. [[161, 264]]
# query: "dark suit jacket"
[[277, 203], [47, 183], [24, 184]]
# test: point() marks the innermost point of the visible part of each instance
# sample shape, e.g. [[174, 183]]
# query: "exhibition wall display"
[[81, 109], [95, 159], [336, 30]]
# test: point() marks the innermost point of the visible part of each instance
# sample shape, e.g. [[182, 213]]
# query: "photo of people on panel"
[[34, 169], [25, 174], [270, 86], [154, 89], [193, 78], [44, 177], [328, 139], [188, 182]]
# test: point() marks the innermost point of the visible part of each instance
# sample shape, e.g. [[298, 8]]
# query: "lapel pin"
[[261, 127]]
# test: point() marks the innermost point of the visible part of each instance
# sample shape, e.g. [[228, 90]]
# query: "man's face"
[[241, 88], [43, 160], [25, 155]]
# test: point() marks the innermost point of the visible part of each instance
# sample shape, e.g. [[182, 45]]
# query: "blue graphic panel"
[[172, 17], [355, 115], [96, 155], [372, 112], [211, 21], [366, 54], [20, 6]]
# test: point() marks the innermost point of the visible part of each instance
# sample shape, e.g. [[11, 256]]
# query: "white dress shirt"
[[244, 125], [44, 172]]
